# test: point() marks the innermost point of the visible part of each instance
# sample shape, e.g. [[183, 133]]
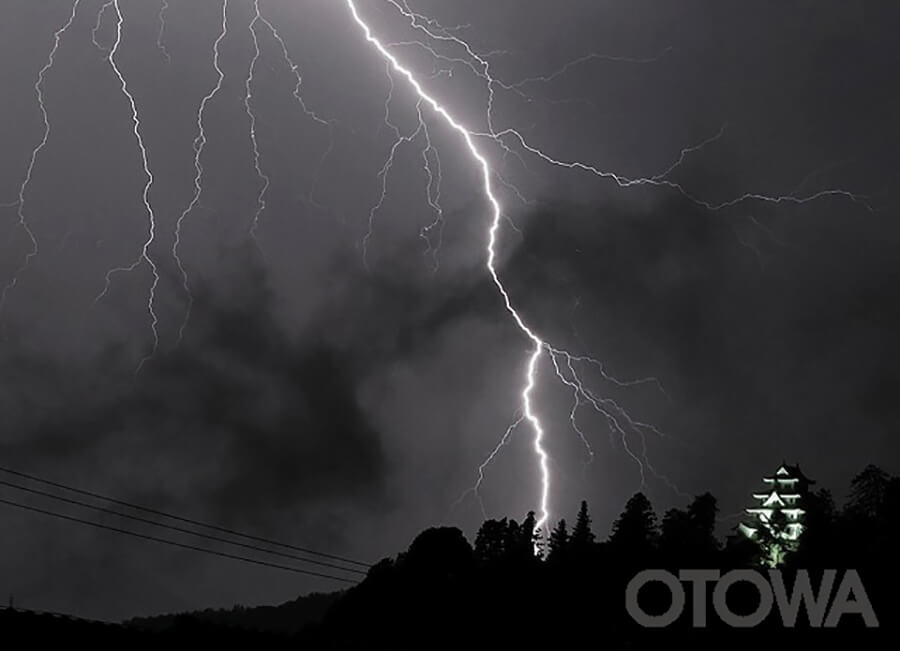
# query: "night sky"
[[343, 397]]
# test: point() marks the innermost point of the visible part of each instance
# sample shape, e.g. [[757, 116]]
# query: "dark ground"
[[444, 591]]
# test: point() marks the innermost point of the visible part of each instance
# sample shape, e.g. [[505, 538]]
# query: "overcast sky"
[[345, 401]]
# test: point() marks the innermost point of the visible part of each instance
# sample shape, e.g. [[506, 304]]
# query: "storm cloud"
[[345, 402]]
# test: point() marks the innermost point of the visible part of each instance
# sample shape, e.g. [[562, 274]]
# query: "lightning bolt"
[[161, 34], [690, 150], [593, 56], [385, 171], [254, 144], [199, 145], [32, 160], [100, 14], [482, 67], [432, 166], [431, 22], [495, 222], [295, 71], [201, 140], [626, 182], [479, 64], [144, 256], [474, 490], [307, 111], [620, 422], [622, 425]]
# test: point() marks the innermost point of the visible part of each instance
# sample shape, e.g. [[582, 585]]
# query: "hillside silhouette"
[[445, 591]]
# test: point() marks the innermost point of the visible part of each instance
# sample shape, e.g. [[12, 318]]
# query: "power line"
[[174, 543], [136, 518], [179, 518]]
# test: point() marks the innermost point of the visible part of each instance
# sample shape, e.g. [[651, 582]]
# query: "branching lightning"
[[32, 160], [161, 34], [482, 67], [100, 15], [626, 182], [474, 490], [295, 71], [593, 56], [617, 417], [622, 425], [201, 139], [145, 197], [265, 182], [258, 17], [496, 219], [688, 151], [432, 166], [399, 140], [199, 145], [307, 111]]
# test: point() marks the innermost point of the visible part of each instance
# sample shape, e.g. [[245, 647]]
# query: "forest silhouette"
[[444, 591]]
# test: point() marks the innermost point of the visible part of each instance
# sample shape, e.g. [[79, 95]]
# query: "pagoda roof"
[[787, 472]]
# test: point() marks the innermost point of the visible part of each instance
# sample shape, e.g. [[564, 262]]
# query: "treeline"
[[498, 590], [445, 591]]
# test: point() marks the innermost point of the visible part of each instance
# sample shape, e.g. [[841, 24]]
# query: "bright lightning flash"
[[565, 365], [495, 221]]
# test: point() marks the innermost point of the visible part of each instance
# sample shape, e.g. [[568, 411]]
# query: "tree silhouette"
[[506, 540], [868, 491], [675, 536], [490, 542], [635, 533], [688, 537], [821, 530], [439, 550], [702, 515], [559, 542], [524, 540], [891, 506], [582, 536]]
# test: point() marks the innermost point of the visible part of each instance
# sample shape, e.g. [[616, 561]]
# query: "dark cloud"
[[261, 422]]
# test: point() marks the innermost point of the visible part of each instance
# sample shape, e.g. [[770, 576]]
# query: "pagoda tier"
[[776, 522]]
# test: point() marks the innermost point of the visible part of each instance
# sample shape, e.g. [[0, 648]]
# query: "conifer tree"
[[559, 541], [582, 536]]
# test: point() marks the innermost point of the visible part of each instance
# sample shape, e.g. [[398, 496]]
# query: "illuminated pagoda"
[[777, 521]]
